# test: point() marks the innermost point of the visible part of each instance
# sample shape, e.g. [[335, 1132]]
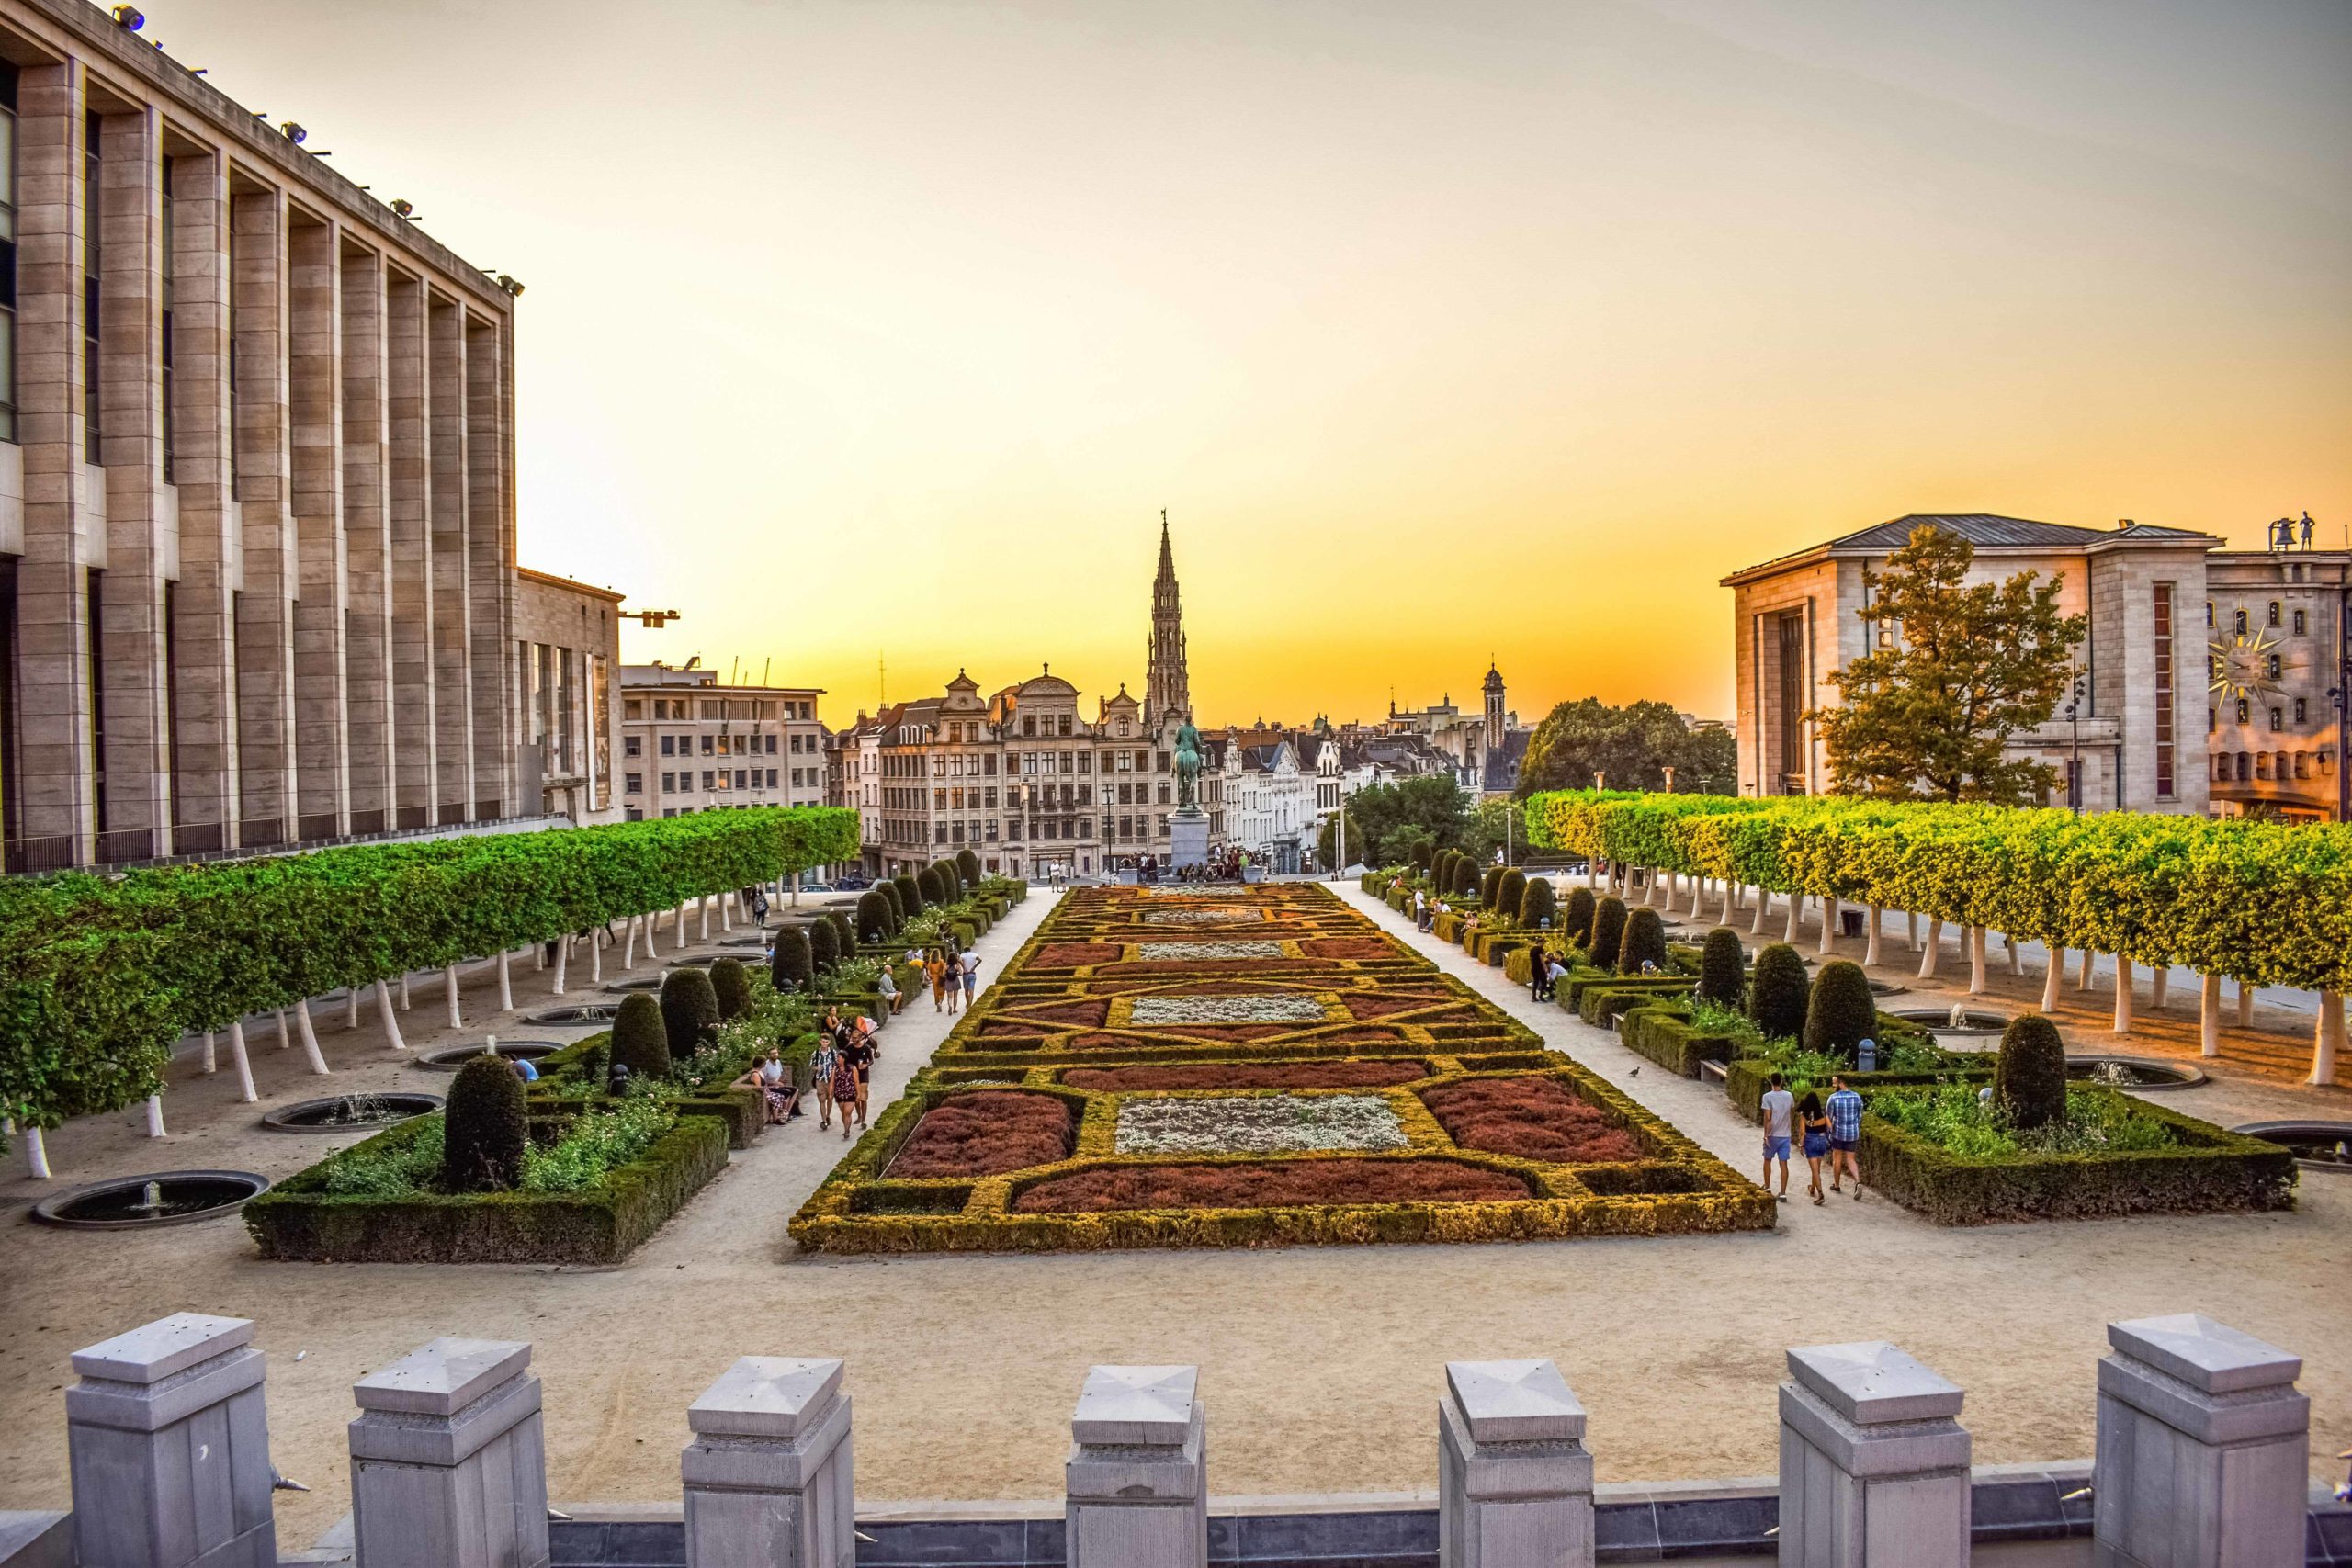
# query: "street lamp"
[[2075, 768]]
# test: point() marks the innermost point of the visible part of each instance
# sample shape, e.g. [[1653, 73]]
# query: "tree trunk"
[[2209, 1015], [2122, 995], [403, 990], [2049, 981], [1828, 924], [2245, 1004], [1763, 908], [2089, 969], [1974, 939], [244, 1062], [211, 1052], [285, 1041], [562, 962], [309, 1037], [155, 1115], [2159, 985], [506, 984], [2327, 1040], [36, 1155], [682, 929], [726, 921], [1911, 931], [596, 957], [350, 1008], [391, 1020], [1796, 916], [449, 993], [1928, 955], [629, 946], [1870, 926]]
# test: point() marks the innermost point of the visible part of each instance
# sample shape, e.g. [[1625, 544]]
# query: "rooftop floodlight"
[[508, 284], [402, 208], [293, 132], [130, 18]]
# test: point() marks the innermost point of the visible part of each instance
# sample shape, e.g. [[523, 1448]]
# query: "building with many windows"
[[691, 744], [2278, 634], [257, 574]]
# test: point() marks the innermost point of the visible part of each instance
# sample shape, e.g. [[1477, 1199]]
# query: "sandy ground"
[[1321, 1367]]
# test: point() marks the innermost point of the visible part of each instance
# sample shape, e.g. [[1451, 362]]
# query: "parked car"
[[816, 888]]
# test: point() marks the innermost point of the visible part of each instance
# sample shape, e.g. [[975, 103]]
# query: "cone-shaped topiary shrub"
[[1466, 876], [1538, 904], [1722, 967], [824, 946], [483, 1128], [1841, 1012], [731, 988], [968, 865], [1509, 891], [2030, 1075], [1490, 886], [641, 1040], [890, 893], [1423, 852], [844, 931], [874, 917], [1644, 943], [910, 888], [1608, 931], [932, 892], [792, 965], [1575, 924], [951, 880], [689, 1011], [1776, 993]]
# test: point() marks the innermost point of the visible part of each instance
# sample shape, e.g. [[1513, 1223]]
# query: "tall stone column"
[[452, 587], [211, 535], [368, 540], [265, 716], [415, 726], [314, 410], [448, 1461], [170, 1448], [768, 1476], [1874, 1469], [1515, 1483], [2202, 1441], [490, 568], [142, 547], [1137, 1475], [56, 806]]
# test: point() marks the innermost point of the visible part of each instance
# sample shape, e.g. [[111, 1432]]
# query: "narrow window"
[[170, 424], [7, 251], [2274, 611], [2302, 622], [2238, 623], [2277, 718], [2302, 711]]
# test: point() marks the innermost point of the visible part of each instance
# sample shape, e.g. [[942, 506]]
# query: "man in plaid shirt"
[[1845, 1109]]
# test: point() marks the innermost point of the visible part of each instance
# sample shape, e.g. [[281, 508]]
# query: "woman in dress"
[[844, 1089], [935, 969], [1813, 1125], [755, 1076]]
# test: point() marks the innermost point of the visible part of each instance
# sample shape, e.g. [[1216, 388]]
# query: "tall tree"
[[1956, 669], [1632, 747], [1393, 817]]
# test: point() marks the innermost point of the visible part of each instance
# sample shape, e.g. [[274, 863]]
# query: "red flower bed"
[[1077, 952], [1276, 1184], [1264, 1075], [1534, 1118], [1347, 947], [986, 1133], [1088, 1013]]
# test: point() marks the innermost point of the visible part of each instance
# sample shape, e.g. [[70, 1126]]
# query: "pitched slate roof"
[[1990, 529]]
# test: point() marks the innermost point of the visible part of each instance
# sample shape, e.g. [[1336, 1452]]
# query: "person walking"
[[934, 969], [1420, 910], [822, 1063], [1812, 1127], [971, 975], [1845, 1111], [1539, 971], [844, 1089], [1780, 1116], [858, 1045]]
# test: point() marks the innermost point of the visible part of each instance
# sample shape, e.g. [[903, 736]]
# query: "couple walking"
[[1834, 1129], [953, 976]]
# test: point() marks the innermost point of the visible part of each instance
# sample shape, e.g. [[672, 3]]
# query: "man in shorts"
[[1845, 1109], [1779, 1121], [970, 965]]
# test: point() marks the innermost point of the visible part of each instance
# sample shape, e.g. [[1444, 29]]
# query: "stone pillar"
[[1515, 1483], [768, 1476], [367, 534], [448, 1464], [489, 549], [407, 482], [264, 631], [170, 1448], [452, 593], [1873, 1468], [314, 423], [2201, 1444], [1137, 1475]]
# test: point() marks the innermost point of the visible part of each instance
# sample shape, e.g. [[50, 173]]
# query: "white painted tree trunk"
[[2327, 1040], [2245, 1004], [681, 928], [1870, 923], [629, 947], [538, 956], [1911, 935], [309, 1037], [211, 1052], [1796, 916], [725, 921], [2090, 970], [596, 955], [562, 962], [351, 1008], [506, 984], [403, 990], [2051, 981], [2159, 985], [2017, 955], [244, 1062], [1592, 872], [155, 1115], [2209, 1015], [1933, 950], [1828, 924], [36, 1155], [2122, 995], [702, 907], [285, 1041], [1974, 937], [449, 994], [391, 1020], [1763, 908], [1731, 900]]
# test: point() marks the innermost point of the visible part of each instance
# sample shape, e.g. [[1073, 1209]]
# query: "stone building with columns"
[[257, 573]]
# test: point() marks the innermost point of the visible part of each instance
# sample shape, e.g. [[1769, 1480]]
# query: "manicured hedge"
[[298, 1218], [2206, 1171], [1663, 1031], [1599, 1005], [99, 976]]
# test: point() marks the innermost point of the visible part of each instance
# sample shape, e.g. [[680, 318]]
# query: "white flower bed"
[[1166, 951], [1258, 1125], [1198, 914], [1227, 1010]]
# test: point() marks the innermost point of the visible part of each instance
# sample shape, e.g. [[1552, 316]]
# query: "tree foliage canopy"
[[1631, 746]]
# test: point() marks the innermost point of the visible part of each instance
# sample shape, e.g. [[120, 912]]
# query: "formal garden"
[[1250, 1066], [1960, 1136]]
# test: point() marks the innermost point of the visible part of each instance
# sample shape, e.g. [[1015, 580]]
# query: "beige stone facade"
[[257, 577], [567, 697], [689, 743], [2279, 636], [2132, 742]]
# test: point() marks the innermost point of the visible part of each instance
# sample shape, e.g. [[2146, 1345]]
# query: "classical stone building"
[[2131, 742], [2279, 630], [1483, 749], [690, 744], [567, 704], [257, 573]]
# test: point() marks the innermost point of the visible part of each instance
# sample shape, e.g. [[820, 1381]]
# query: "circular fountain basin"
[[165, 1198], [644, 983], [1976, 1023], [703, 962], [451, 1058], [1887, 988], [351, 1112], [587, 1016], [2144, 1073], [2318, 1145], [744, 942]]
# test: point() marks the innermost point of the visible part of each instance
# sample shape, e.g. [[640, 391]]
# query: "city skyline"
[[1505, 332]]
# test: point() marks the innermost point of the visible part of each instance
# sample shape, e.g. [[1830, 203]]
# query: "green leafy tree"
[[824, 946], [910, 893], [483, 1128], [1956, 669], [874, 920], [1509, 892], [1431, 802], [968, 866], [888, 890], [1632, 746], [1327, 848]]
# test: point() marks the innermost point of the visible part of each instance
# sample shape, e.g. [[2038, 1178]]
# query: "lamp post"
[[2075, 768]]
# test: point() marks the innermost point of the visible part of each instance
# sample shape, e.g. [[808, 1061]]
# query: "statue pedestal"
[[1188, 840]]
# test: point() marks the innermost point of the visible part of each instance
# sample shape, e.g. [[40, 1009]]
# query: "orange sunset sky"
[[871, 329]]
